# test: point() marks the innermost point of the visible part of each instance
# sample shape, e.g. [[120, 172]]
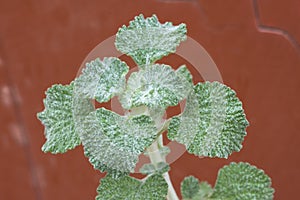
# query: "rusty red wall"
[[255, 45]]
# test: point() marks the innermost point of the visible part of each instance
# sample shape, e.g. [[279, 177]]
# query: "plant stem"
[[171, 191], [155, 158], [153, 151]]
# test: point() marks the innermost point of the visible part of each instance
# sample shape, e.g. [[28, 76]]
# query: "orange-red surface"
[[255, 45]]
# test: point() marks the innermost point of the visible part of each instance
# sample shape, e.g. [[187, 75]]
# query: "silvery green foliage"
[[242, 181], [237, 181], [189, 187], [82, 106], [147, 40], [128, 188], [205, 190], [156, 86], [213, 122], [58, 119], [101, 80], [184, 73], [192, 189], [113, 142]]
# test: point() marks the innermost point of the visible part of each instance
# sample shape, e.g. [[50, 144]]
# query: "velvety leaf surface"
[[146, 40], [213, 122], [101, 80], [185, 73], [236, 181], [242, 181], [128, 188], [157, 86], [58, 119], [189, 187], [113, 142]]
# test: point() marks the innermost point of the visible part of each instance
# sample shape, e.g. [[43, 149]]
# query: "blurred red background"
[[255, 45]]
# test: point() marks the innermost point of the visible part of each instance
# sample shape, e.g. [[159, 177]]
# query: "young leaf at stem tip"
[[157, 86], [146, 40]]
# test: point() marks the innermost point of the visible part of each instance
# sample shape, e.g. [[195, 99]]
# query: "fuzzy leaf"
[[189, 187], [157, 86], [192, 189], [128, 188], [242, 181], [185, 74], [213, 122], [205, 190], [113, 142], [147, 40], [58, 120], [101, 80]]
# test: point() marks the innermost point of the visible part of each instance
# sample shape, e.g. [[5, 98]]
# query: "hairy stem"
[[155, 158], [153, 151], [171, 191]]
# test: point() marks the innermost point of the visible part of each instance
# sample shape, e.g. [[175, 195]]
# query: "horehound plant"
[[212, 124]]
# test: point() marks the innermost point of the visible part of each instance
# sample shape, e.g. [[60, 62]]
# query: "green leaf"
[[158, 168], [128, 188], [237, 181], [113, 142], [185, 74], [190, 187], [213, 122], [101, 80], [205, 190], [147, 40], [58, 120], [157, 86], [242, 181]]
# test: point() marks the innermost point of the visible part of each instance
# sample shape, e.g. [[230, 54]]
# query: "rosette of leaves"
[[212, 124]]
